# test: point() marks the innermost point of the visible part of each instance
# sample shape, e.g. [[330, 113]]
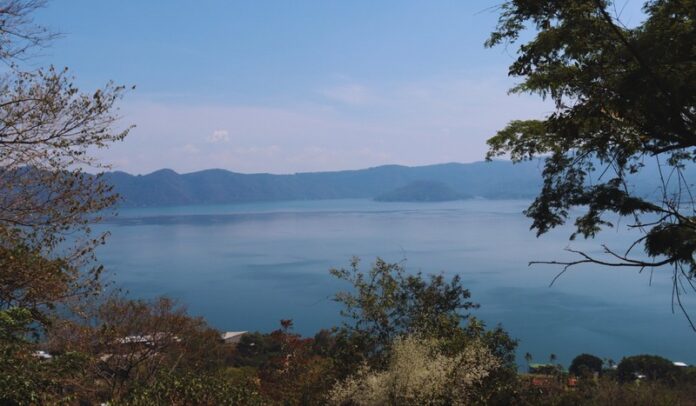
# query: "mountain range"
[[493, 180], [450, 181]]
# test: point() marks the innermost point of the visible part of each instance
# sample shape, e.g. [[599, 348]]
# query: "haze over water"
[[246, 266]]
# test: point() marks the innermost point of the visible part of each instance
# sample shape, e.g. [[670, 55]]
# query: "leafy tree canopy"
[[585, 364], [386, 302], [625, 101], [651, 367]]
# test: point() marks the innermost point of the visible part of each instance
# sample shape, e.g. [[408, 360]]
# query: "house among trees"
[[232, 337]]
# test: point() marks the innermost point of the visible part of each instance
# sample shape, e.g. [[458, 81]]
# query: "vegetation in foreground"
[[408, 340]]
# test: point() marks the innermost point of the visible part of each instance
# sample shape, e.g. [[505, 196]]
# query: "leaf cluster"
[[385, 302]]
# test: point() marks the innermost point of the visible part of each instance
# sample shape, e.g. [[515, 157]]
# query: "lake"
[[246, 266]]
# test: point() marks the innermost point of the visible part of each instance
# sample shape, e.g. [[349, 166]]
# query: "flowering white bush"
[[419, 373]]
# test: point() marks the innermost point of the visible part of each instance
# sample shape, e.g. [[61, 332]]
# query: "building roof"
[[227, 335]]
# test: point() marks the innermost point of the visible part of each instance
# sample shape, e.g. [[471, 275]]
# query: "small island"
[[421, 191]]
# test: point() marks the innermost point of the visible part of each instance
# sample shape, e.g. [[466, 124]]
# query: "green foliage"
[[607, 392], [15, 323], [26, 379], [652, 367], [385, 303], [255, 349], [586, 365], [192, 389], [625, 101], [610, 392], [31, 281], [545, 369], [496, 339]]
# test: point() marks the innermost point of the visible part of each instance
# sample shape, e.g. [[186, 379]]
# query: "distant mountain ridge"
[[493, 180]]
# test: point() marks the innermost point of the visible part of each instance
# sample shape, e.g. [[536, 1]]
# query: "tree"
[[295, 375], [126, 351], [651, 367], [255, 350], [528, 358], [500, 385], [48, 133], [625, 103], [24, 377], [586, 364], [131, 345], [386, 302]]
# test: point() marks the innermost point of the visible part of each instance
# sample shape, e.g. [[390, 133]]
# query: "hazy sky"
[[291, 86]]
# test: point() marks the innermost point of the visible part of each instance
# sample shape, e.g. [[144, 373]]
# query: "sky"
[[292, 86]]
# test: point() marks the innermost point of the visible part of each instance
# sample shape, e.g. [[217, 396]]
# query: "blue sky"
[[292, 86]]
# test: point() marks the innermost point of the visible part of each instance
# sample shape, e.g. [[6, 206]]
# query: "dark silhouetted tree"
[[651, 367], [586, 364]]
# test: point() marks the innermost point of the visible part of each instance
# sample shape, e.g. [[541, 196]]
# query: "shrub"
[[418, 372]]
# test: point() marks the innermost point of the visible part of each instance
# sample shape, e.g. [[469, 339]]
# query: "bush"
[[418, 373], [192, 389]]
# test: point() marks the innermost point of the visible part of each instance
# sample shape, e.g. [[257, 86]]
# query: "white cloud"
[[219, 136]]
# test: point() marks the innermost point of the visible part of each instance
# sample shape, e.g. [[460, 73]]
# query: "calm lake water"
[[246, 266]]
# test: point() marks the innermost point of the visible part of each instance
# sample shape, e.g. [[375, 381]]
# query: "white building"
[[232, 337]]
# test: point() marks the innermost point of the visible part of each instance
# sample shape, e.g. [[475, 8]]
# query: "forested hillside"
[[497, 179], [491, 180]]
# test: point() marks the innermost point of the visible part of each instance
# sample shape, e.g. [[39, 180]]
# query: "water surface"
[[246, 266]]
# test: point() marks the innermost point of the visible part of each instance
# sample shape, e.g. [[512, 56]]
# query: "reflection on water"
[[244, 267]]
